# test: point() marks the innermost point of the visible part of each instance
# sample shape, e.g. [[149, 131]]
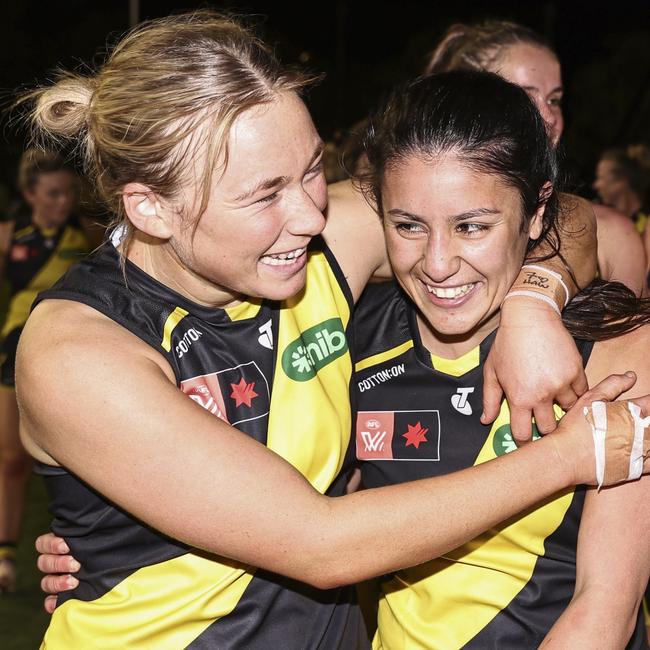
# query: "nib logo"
[[314, 349], [415, 435], [243, 393]]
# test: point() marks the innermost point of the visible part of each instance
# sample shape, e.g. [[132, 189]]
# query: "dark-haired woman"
[[464, 179], [36, 249]]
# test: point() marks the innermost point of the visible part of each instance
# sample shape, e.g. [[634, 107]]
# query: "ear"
[[28, 195], [146, 212], [536, 223]]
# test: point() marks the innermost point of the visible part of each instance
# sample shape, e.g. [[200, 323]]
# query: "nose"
[[306, 219], [441, 258]]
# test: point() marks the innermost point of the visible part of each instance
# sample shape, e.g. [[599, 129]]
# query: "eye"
[[471, 228], [556, 102], [316, 169], [268, 199], [409, 228]]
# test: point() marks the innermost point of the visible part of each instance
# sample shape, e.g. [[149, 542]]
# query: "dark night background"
[[364, 47]]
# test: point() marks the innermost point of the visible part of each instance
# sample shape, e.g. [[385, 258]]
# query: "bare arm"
[[193, 477], [613, 558], [534, 360], [621, 254]]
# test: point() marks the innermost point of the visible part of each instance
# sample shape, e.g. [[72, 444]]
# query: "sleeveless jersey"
[[419, 417], [280, 372], [36, 260]]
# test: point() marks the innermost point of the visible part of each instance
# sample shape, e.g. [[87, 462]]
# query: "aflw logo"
[[373, 441]]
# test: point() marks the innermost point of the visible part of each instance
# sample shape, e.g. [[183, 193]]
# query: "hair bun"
[[63, 108]]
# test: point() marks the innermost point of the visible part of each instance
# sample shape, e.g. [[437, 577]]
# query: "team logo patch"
[[398, 435], [19, 253], [460, 402], [245, 388], [504, 443], [314, 349]]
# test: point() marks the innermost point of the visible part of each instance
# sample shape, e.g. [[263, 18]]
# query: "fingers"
[[48, 563], [492, 394], [50, 543], [566, 398], [579, 384], [49, 604], [521, 425], [56, 584], [610, 388], [545, 418]]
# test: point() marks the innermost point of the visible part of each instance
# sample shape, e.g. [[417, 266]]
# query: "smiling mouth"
[[450, 293], [283, 259]]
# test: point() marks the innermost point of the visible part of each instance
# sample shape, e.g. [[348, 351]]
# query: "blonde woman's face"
[[264, 209], [537, 70]]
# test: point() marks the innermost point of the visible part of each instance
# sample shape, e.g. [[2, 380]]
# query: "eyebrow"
[[270, 183], [557, 89], [463, 216]]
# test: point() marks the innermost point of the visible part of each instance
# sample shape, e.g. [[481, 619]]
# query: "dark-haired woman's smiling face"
[[455, 242]]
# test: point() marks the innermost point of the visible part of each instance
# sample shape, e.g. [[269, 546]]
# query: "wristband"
[[543, 284], [621, 440]]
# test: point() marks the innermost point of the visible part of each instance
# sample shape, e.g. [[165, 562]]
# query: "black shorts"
[[8, 357]]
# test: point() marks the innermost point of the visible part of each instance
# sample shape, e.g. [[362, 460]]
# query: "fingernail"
[[630, 374], [75, 566], [71, 582], [63, 548]]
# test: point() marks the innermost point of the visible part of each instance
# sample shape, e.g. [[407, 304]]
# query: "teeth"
[[450, 292], [280, 259]]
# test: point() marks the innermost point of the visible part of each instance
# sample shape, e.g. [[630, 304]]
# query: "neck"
[[159, 260], [454, 346], [40, 221]]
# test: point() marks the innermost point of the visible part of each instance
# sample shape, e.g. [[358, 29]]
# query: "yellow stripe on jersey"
[[164, 606], [55, 267], [170, 324], [310, 421], [248, 309], [457, 367], [444, 603], [28, 230], [383, 356]]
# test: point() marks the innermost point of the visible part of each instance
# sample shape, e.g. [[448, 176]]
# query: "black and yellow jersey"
[[36, 259], [419, 417], [279, 372]]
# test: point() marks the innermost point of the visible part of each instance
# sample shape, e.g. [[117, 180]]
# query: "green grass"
[[22, 618]]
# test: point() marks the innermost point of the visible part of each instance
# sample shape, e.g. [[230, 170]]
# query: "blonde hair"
[[479, 46], [170, 87]]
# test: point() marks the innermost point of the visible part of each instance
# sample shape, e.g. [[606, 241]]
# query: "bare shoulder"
[[68, 349], [617, 355], [355, 235], [612, 221], [577, 214]]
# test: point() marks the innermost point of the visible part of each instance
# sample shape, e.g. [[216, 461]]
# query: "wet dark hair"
[[489, 123], [493, 127]]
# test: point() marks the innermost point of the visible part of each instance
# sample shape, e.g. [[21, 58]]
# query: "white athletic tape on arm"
[[637, 456], [599, 432]]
